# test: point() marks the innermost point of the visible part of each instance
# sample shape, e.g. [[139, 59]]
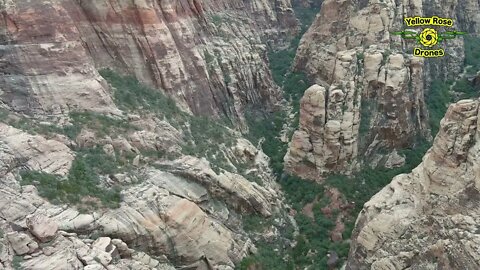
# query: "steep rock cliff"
[[208, 55], [427, 219], [388, 84]]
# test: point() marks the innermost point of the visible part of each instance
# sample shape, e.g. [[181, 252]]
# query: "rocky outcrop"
[[350, 44], [70, 251], [427, 219], [234, 189], [165, 215], [18, 148], [192, 215], [209, 55], [43, 228], [320, 145], [341, 121]]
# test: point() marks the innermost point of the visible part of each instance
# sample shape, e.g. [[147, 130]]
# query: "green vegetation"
[[254, 222], [17, 262], [472, 51], [313, 242], [300, 192], [82, 181], [280, 63], [3, 115], [293, 84], [131, 95], [365, 117], [102, 125], [437, 100], [203, 140], [217, 20], [366, 183], [208, 57], [294, 87], [313, 232], [281, 60], [360, 56], [203, 135], [305, 15], [267, 128], [266, 258], [31, 126], [439, 97], [385, 55], [466, 88]]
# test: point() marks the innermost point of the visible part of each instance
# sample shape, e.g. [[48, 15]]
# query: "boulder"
[[21, 243], [42, 227], [86, 138]]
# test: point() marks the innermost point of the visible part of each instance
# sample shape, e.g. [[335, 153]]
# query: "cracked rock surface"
[[428, 219]]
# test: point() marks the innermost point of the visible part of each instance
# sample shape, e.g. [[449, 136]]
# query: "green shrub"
[[226, 78], [437, 99], [360, 56], [217, 20], [17, 262], [48, 185], [280, 61], [366, 183], [267, 258], [294, 87], [438, 96], [298, 191], [3, 114], [82, 181], [204, 135], [203, 139], [255, 223], [102, 124], [208, 57], [466, 88]]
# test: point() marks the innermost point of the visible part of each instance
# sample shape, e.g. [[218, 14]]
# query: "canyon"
[[214, 134]]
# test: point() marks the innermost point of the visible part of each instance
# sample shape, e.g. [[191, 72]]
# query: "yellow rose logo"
[[428, 37]]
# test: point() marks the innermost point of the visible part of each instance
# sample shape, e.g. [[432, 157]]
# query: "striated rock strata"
[[209, 55]]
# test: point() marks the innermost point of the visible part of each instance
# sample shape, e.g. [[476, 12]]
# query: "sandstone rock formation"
[[320, 144], [32, 152], [192, 215], [373, 86], [43, 228], [427, 219], [209, 55], [348, 122]]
